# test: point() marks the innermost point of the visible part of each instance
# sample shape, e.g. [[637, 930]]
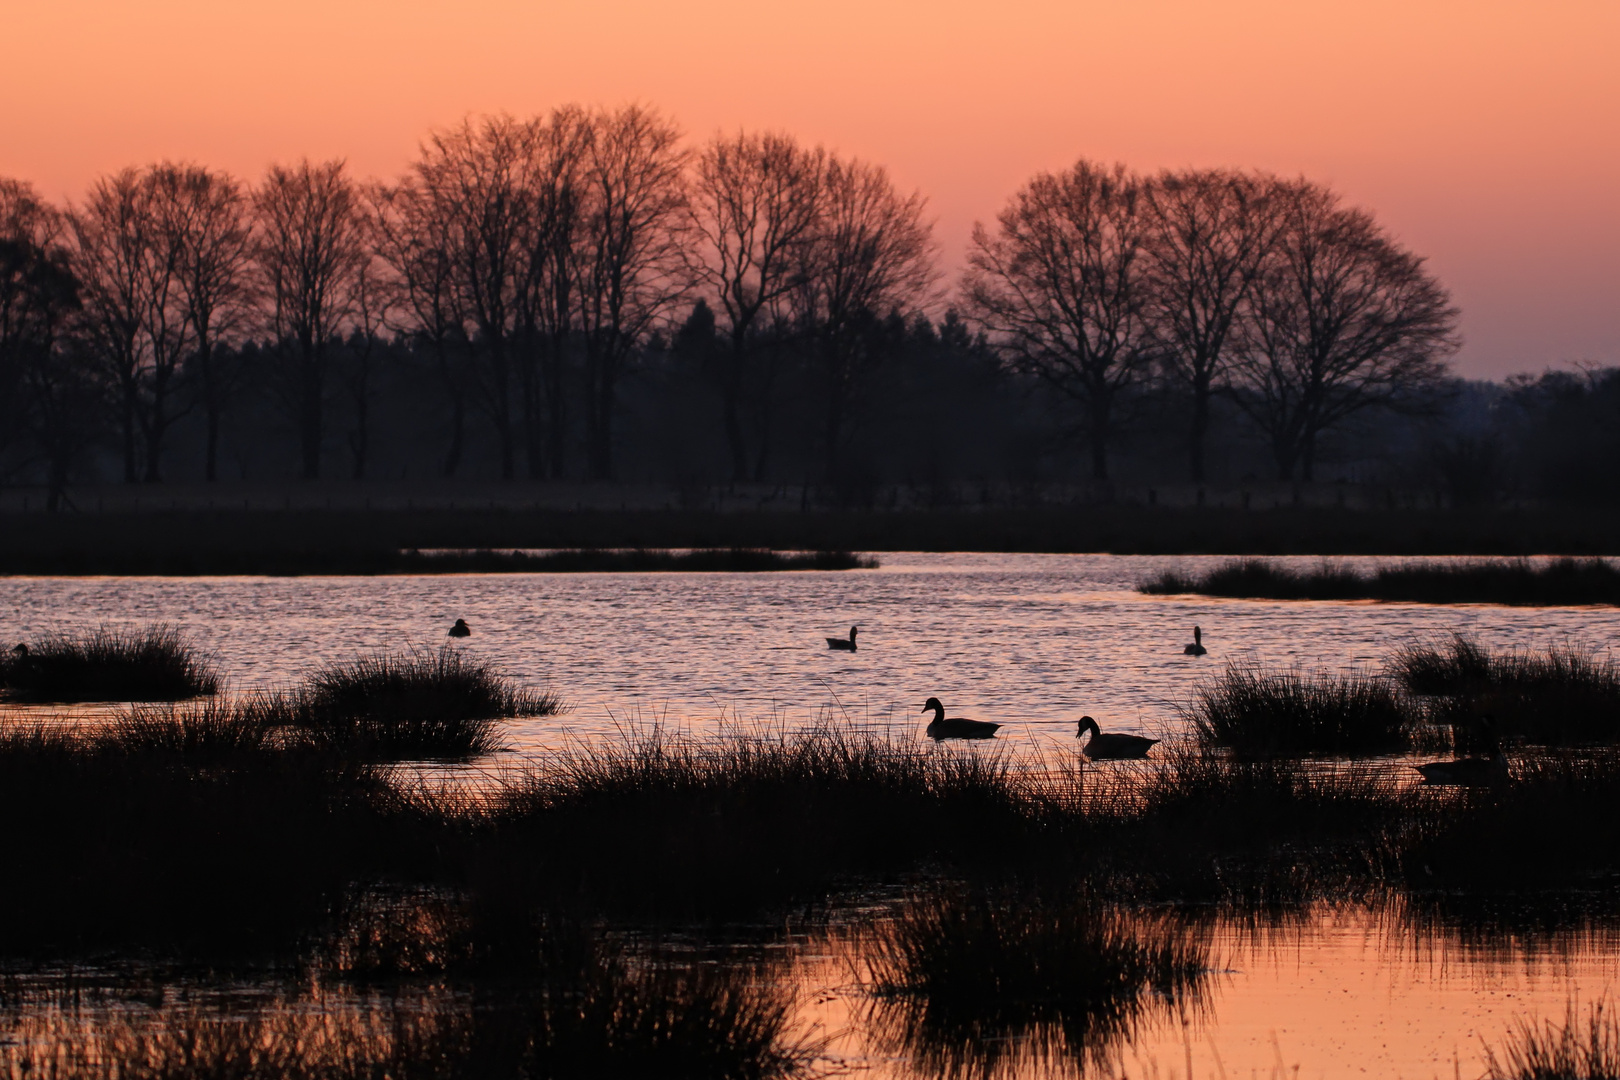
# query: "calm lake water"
[[1030, 641]]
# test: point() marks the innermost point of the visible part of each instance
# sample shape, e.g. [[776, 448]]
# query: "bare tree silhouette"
[[1345, 320], [630, 256], [1210, 232], [409, 233], [203, 218], [479, 178], [757, 201], [310, 248], [870, 252], [1061, 289]]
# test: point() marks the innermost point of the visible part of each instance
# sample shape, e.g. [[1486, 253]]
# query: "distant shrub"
[[154, 663], [1254, 712]]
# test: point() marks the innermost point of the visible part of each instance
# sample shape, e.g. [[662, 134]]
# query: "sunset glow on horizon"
[[1485, 135]]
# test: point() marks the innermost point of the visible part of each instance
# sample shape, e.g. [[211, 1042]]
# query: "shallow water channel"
[[1029, 641]]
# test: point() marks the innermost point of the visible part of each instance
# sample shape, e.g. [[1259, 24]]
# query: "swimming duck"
[[956, 727], [460, 629], [1488, 771], [846, 644], [1197, 646], [1112, 746]]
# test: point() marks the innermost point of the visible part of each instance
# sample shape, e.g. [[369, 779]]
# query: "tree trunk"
[[128, 426], [602, 434], [311, 415], [1200, 430], [730, 409], [1099, 436], [458, 435]]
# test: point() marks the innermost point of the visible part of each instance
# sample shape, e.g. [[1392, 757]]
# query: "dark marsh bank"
[[1564, 581], [296, 541]]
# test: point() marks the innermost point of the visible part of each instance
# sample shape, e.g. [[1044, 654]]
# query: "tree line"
[[527, 284]]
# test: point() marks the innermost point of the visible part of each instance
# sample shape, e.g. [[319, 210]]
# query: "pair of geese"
[[1488, 771], [1112, 746]]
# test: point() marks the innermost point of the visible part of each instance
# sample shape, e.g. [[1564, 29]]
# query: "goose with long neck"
[[1197, 646], [955, 727], [1114, 746], [846, 644]]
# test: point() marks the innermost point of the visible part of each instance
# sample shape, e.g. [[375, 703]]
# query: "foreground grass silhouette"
[[1519, 581], [1581, 1048], [218, 836]]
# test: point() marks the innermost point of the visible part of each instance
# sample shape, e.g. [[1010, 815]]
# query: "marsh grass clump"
[[1212, 825], [750, 817], [1510, 581], [419, 704], [216, 729], [1562, 695], [1255, 713], [154, 663], [1555, 825], [164, 830], [1581, 1048], [1260, 579], [592, 1008], [962, 982]]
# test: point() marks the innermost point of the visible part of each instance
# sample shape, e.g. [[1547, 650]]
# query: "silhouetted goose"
[[1197, 646], [956, 727], [1487, 771], [847, 644], [460, 629], [1112, 746], [21, 650]]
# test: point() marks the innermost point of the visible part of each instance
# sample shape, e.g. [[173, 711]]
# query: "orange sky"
[[1486, 134]]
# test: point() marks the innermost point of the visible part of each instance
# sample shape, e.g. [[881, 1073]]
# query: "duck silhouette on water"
[[1114, 746], [1491, 770], [844, 644], [1197, 646], [956, 727], [460, 629]]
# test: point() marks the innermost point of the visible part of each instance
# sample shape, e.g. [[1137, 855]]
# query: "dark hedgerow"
[[417, 704], [154, 663], [1254, 712]]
